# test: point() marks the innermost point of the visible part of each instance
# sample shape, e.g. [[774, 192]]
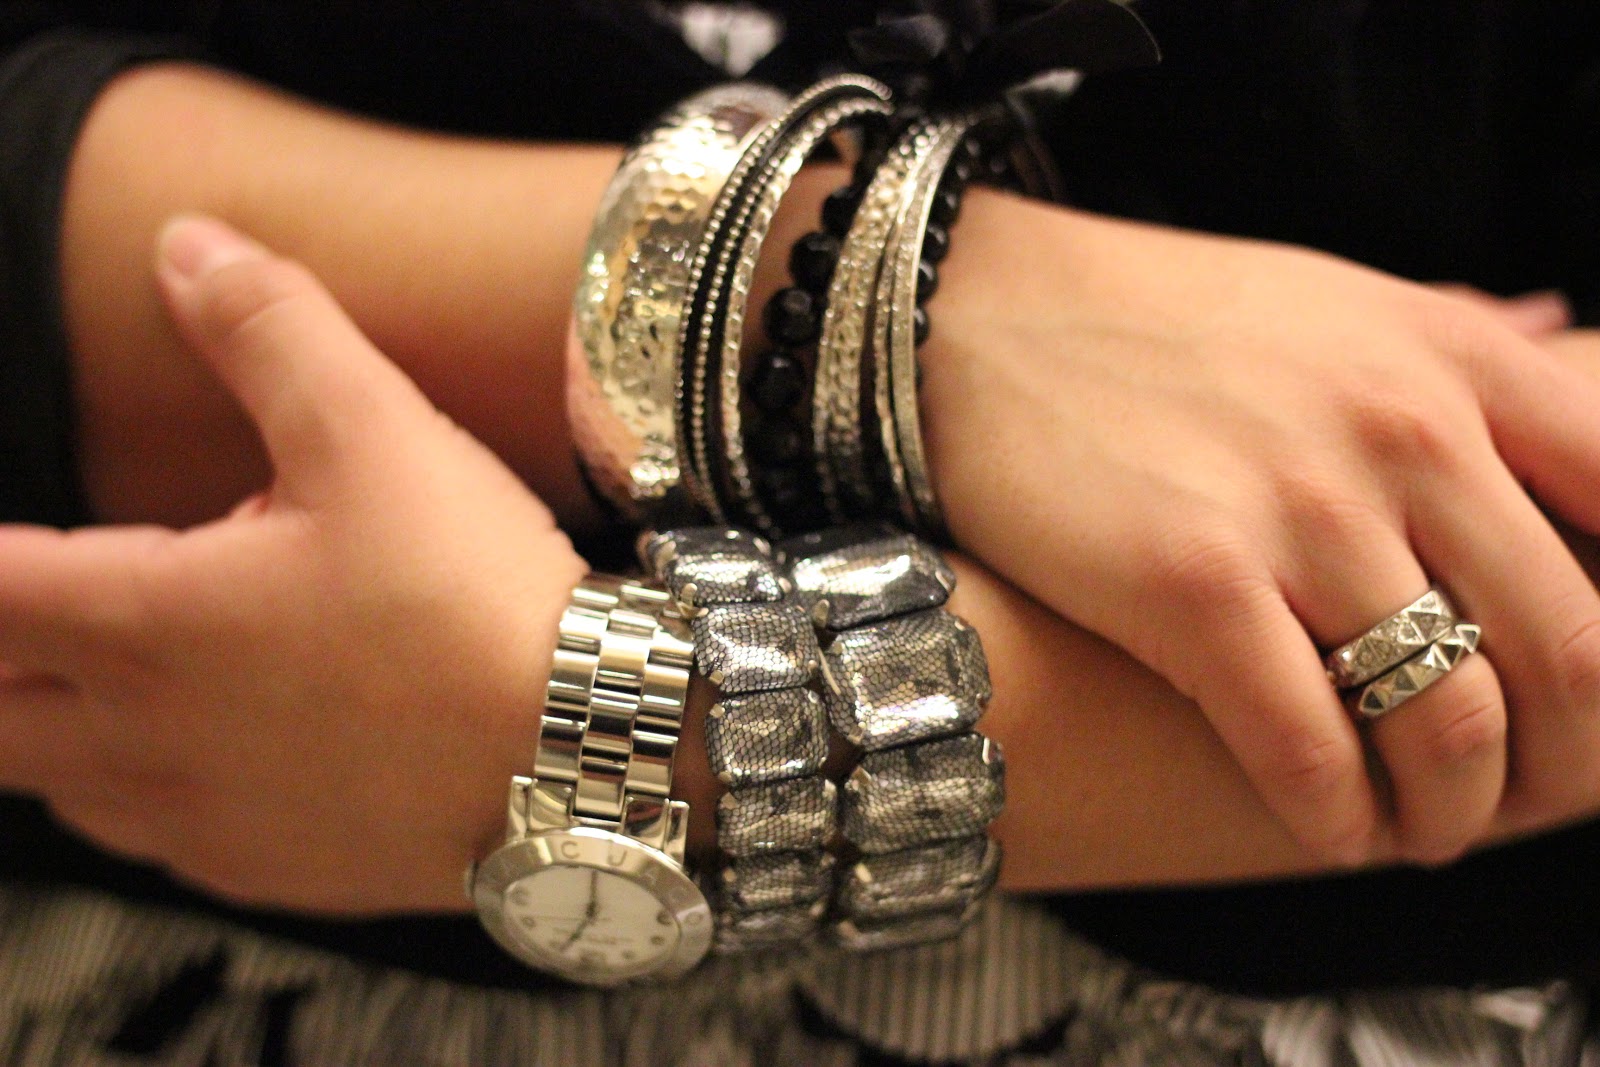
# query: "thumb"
[[317, 390]]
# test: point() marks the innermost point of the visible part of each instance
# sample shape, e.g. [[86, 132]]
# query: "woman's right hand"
[[1228, 457]]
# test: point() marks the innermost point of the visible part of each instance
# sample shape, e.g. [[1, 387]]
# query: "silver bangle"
[[838, 440], [714, 369], [899, 420], [668, 196], [905, 681]]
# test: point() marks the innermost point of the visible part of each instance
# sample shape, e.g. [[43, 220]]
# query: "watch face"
[[590, 920], [593, 906]]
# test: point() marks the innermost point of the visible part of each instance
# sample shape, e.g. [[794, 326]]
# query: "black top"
[[1439, 141]]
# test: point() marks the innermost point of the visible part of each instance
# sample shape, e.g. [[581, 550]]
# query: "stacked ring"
[[1402, 655]]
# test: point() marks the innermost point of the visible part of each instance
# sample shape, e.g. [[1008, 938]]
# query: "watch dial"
[[583, 918]]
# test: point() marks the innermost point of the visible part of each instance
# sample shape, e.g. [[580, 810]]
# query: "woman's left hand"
[[317, 701]]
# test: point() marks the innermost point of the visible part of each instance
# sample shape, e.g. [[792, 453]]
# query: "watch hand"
[[588, 912]]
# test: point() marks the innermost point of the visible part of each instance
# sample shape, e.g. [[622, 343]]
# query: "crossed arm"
[[353, 656]]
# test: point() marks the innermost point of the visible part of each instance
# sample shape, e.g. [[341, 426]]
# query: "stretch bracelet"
[[766, 737], [904, 681]]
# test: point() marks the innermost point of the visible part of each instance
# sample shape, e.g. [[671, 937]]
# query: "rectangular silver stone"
[[764, 737], [787, 816], [776, 880], [947, 876], [744, 648], [906, 679], [919, 794], [871, 580]]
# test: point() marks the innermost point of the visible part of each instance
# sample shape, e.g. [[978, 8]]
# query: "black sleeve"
[[47, 84]]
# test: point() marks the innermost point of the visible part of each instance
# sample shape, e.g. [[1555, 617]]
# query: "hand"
[[317, 701], [1228, 456]]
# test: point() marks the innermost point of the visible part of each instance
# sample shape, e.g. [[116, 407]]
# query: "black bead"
[[946, 207], [791, 317], [840, 209], [812, 258], [958, 174], [776, 441], [778, 381], [927, 280], [935, 244], [921, 325]]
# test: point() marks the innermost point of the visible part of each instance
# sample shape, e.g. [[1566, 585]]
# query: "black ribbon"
[[962, 53]]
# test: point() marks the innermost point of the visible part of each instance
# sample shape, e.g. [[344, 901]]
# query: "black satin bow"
[[961, 53]]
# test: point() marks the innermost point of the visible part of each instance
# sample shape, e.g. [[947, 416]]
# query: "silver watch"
[[590, 883]]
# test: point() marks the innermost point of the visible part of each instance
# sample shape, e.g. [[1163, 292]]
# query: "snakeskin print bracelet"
[[904, 681], [766, 738]]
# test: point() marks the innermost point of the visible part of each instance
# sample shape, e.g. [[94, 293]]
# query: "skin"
[[138, 637]]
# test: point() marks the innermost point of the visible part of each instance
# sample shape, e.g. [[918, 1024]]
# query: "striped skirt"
[[90, 979]]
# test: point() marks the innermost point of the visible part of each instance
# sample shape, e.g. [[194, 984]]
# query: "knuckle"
[[1406, 430], [1325, 506], [1204, 564], [1310, 775], [1576, 667], [242, 295]]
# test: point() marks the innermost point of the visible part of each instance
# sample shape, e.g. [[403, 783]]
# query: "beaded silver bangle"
[[837, 432], [895, 341]]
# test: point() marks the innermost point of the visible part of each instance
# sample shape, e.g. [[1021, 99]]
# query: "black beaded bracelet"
[[779, 381]]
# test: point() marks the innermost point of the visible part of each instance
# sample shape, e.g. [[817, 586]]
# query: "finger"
[[1510, 572], [1443, 752], [66, 598], [1545, 418], [1532, 314], [1264, 691], [315, 387], [1577, 348]]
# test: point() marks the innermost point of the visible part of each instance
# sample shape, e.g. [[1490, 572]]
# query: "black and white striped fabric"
[[90, 979]]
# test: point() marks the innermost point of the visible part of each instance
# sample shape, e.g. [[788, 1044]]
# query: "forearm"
[[457, 257]]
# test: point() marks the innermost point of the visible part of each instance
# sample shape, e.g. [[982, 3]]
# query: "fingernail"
[[1542, 312], [193, 246]]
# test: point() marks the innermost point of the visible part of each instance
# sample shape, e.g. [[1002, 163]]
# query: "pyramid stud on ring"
[[1400, 684], [1392, 641]]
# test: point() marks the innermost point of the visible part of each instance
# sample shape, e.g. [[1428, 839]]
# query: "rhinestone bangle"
[[766, 738], [904, 680]]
